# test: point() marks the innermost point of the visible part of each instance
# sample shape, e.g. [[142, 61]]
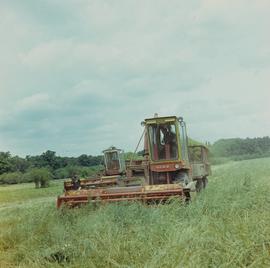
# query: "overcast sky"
[[77, 76]]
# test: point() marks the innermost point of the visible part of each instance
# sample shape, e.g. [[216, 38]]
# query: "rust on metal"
[[89, 183], [117, 194]]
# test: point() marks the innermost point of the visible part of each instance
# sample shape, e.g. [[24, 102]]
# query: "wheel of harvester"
[[205, 181], [199, 185], [187, 197]]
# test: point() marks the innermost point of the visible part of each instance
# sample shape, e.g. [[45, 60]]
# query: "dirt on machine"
[[169, 169]]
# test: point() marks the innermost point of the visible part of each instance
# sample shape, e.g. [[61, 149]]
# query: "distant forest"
[[15, 169], [240, 149]]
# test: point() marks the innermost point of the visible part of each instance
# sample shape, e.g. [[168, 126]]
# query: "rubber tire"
[[187, 197], [199, 185], [205, 182]]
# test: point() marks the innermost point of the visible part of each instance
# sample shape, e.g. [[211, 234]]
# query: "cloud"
[[81, 76], [35, 101]]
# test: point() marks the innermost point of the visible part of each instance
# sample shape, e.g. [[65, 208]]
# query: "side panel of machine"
[[198, 155], [199, 170]]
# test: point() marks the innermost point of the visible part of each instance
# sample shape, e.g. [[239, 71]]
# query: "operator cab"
[[166, 147], [167, 139], [114, 161], [163, 141]]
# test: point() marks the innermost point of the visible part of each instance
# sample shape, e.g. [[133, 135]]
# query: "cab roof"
[[112, 149], [161, 119]]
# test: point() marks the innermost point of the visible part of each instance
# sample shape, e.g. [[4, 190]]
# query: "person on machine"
[[169, 141]]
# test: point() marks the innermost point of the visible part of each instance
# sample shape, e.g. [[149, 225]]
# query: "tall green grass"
[[225, 226], [27, 192]]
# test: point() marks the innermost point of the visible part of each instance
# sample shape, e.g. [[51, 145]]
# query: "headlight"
[[177, 166]]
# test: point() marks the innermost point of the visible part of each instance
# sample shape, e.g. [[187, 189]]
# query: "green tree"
[[19, 164], [83, 160], [40, 176], [5, 162], [49, 159], [11, 178]]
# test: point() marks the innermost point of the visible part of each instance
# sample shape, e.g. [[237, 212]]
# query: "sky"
[[78, 76]]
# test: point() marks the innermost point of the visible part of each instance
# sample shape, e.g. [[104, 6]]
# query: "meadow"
[[227, 225]]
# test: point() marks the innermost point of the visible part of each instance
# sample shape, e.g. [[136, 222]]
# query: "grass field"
[[19, 193], [228, 225]]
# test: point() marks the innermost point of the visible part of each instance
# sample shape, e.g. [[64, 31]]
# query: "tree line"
[[240, 149], [41, 168]]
